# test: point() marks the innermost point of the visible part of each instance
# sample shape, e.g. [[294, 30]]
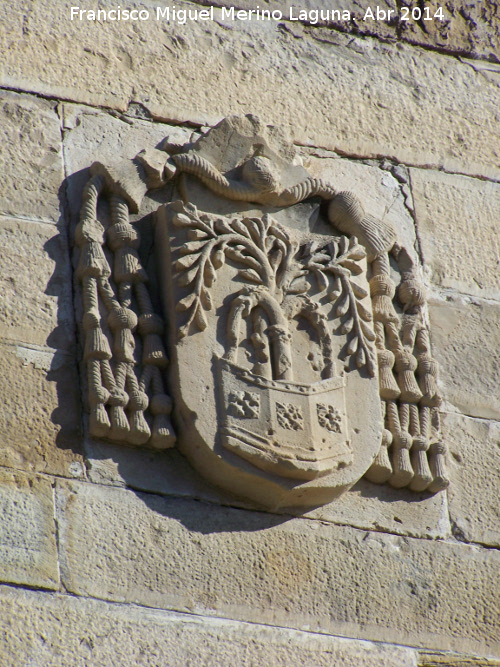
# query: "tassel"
[[154, 352], [92, 262], [382, 292], [119, 423], [124, 346], [437, 465], [381, 469], [89, 231], [96, 345], [122, 318], [128, 267], [403, 471], [99, 424], [411, 292], [163, 435], [121, 235], [138, 400], [98, 394], [347, 214], [137, 404], [406, 364], [91, 320], [139, 430], [423, 476], [150, 323], [388, 385], [150, 327], [427, 375], [118, 400], [161, 404]]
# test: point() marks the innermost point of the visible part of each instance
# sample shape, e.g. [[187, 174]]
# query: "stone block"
[[355, 95], [190, 556], [470, 28], [39, 419], [474, 464], [42, 629], [28, 553], [397, 511], [165, 472], [431, 659], [464, 332], [36, 305], [31, 156], [457, 220], [366, 505]]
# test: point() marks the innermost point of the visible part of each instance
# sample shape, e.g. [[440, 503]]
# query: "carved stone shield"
[[288, 371], [273, 363]]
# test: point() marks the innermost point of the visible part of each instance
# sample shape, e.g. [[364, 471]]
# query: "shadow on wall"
[[62, 369]]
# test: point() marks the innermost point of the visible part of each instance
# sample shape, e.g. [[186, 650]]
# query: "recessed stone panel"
[[92, 134], [397, 511], [380, 191], [366, 505]]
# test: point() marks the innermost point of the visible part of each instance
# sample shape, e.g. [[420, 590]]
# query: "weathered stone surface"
[[31, 156], [123, 546], [471, 28], [464, 333], [431, 659], [36, 305], [356, 95], [474, 447], [42, 629], [28, 553], [166, 472], [398, 511], [39, 419], [366, 505], [457, 220]]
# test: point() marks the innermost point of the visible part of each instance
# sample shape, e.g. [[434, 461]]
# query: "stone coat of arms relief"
[[291, 354]]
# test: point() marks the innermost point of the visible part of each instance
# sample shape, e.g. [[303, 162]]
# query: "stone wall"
[[116, 556]]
